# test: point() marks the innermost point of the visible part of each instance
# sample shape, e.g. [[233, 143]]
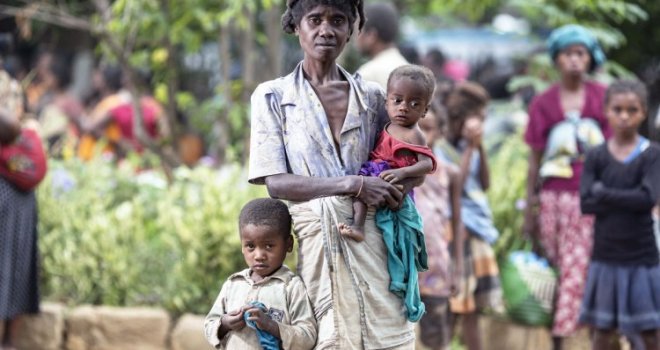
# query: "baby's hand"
[[233, 320], [393, 175]]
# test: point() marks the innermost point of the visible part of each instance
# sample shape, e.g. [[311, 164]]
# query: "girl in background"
[[479, 285], [620, 186]]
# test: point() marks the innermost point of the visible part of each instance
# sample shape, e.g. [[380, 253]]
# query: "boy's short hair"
[[465, 98], [266, 212], [628, 86], [420, 74]]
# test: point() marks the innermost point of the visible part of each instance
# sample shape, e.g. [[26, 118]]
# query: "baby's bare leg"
[[356, 230]]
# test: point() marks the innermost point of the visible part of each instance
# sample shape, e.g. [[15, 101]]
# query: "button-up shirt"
[[290, 131], [283, 293]]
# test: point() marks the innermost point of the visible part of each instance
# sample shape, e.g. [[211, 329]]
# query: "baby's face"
[[407, 101], [264, 249]]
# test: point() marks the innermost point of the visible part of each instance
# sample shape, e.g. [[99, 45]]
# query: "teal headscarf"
[[572, 34]]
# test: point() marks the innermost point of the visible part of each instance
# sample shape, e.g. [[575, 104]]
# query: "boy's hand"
[[473, 131], [262, 320], [233, 320], [393, 175]]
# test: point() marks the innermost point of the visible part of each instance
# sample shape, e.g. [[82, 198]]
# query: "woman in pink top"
[[564, 121]]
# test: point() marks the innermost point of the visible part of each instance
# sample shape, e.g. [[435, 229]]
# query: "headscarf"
[[572, 34]]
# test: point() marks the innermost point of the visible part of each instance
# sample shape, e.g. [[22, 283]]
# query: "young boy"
[[286, 315]]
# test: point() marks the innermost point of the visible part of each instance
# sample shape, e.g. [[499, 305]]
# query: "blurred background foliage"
[[109, 236]]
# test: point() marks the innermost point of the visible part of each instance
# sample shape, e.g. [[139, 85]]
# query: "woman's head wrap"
[[295, 11], [572, 34]]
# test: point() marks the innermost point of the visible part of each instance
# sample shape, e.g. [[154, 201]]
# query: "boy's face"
[[407, 101], [264, 249], [624, 113]]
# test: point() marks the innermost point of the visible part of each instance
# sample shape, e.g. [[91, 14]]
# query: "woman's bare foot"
[[353, 232]]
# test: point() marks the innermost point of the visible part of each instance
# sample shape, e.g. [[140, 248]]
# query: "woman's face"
[[323, 33], [573, 60]]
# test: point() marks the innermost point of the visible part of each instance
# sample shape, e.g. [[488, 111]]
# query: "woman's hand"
[[377, 192]]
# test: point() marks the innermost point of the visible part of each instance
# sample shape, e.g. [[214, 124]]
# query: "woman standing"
[[564, 122], [311, 132], [22, 166]]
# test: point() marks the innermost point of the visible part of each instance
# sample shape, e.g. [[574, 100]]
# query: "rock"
[[500, 334], [189, 334], [43, 331], [109, 328]]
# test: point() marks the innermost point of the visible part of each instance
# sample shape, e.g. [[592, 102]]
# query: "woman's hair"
[[419, 74], [60, 67], [112, 75], [266, 212], [296, 10], [628, 86], [440, 113], [465, 98]]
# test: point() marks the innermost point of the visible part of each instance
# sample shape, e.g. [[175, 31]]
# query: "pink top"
[[387, 148], [545, 112]]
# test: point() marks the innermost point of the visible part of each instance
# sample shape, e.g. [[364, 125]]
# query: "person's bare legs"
[[604, 339], [651, 339], [557, 343], [471, 335], [355, 231], [11, 330]]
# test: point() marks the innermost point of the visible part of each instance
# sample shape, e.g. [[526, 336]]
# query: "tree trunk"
[[221, 125]]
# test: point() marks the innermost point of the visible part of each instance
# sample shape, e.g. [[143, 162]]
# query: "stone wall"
[[111, 328]]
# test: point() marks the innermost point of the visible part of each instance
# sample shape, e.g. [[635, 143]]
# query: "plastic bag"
[[528, 287]]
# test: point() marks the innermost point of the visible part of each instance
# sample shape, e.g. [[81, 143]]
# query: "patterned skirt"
[[567, 238], [19, 287]]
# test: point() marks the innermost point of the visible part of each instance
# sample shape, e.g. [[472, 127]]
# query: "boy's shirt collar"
[[283, 273]]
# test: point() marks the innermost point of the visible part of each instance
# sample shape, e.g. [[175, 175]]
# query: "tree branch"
[[45, 13]]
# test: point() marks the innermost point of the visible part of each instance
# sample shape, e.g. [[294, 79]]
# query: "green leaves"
[[110, 235]]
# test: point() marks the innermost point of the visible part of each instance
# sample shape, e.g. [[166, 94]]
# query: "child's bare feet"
[[353, 232]]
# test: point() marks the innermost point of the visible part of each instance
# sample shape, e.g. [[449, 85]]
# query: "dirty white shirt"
[[283, 293]]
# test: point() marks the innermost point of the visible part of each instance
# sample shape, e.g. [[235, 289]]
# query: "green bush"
[[508, 172], [111, 235]]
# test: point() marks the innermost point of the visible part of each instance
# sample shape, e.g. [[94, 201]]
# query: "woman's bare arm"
[[371, 190], [10, 127], [530, 214]]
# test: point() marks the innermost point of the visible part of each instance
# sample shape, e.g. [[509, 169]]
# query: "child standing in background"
[[438, 200], [266, 296], [621, 184], [480, 285]]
